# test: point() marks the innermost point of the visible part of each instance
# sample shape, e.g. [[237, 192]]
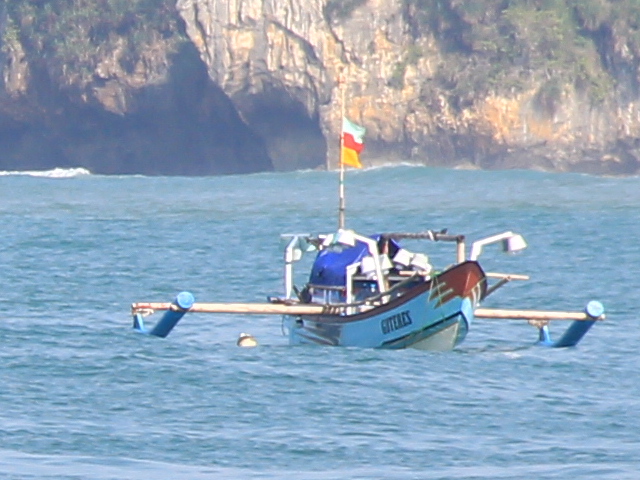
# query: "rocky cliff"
[[212, 86]]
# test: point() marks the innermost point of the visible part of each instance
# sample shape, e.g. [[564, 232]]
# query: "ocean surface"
[[83, 396]]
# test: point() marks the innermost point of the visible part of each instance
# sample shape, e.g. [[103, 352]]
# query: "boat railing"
[[434, 236], [379, 298], [379, 274]]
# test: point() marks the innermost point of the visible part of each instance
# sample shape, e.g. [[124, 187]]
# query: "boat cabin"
[[351, 269]]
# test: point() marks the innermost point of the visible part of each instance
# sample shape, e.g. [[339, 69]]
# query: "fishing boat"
[[370, 291]]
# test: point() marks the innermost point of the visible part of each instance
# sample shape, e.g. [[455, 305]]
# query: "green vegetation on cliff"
[[506, 46], [501, 46], [481, 81], [71, 36]]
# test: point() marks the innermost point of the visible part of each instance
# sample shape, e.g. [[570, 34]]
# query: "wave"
[[55, 173]]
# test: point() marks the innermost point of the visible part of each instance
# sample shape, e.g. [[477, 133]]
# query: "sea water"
[[83, 396]]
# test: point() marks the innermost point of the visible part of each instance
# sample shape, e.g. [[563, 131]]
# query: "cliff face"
[[420, 79], [114, 86], [212, 86]]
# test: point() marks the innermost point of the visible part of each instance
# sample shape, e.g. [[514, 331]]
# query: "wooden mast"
[[341, 205]]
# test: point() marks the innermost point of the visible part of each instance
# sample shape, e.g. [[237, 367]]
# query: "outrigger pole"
[[307, 309], [582, 322], [185, 302]]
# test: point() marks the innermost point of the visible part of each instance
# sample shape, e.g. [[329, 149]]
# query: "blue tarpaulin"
[[329, 267]]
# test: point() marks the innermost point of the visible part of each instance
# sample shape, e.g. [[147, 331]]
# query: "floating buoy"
[[247, 340]]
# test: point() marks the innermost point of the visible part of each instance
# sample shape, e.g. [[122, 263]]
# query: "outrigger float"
[[369, 291]]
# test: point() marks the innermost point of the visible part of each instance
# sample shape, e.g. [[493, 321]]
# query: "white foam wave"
[[55, 173], [375, 165], [381, 164]]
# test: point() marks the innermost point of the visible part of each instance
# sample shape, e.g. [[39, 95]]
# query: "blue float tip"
[[594, 309], [185, 300]]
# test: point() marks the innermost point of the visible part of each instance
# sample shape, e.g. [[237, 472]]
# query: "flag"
[[352, 143]]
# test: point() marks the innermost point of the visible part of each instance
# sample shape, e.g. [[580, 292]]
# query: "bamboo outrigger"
[[371, 292], [285, 309]]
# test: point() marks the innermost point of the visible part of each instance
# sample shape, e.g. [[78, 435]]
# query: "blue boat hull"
[[433, 315]]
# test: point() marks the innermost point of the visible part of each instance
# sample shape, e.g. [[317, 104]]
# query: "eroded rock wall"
[[119, 97], [237, 86], [290, 55]]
